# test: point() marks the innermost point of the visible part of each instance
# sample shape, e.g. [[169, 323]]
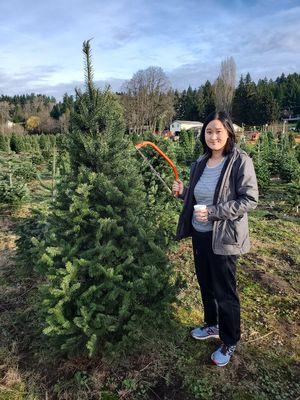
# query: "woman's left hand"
[[201, 216]]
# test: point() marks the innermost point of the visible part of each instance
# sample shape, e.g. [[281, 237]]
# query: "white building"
[[10, 124], [178, 126], [238, 128]]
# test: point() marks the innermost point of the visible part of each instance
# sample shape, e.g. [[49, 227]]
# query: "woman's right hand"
[[177, 187]]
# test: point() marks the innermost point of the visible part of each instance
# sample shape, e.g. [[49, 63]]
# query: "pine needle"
[[88, 69]]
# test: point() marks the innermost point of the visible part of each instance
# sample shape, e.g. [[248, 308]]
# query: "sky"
[[41, 42]]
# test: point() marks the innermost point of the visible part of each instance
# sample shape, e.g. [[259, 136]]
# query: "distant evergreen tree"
[[243, 101], [194, 105], [178, 106], [208, 100], [266, 107], [55, 112], [191, 111], [200, 103]]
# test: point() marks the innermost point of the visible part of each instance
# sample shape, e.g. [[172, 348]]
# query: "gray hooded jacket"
[[236, 193]]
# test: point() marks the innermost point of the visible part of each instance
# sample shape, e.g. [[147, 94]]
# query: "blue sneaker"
[[205, 332], [222, 356]]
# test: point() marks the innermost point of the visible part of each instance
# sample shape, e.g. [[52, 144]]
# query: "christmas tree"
[[108, 279]]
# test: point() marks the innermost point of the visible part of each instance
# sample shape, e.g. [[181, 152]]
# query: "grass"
[[169, 364]]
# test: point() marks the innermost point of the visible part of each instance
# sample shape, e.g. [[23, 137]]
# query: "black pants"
[[216, 277]]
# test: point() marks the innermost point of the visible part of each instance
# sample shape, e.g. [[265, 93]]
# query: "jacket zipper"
[[226, 174]]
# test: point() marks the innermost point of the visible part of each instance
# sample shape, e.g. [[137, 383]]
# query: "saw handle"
[[176, 192]]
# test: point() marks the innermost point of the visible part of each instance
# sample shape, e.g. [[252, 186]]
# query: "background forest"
[[150, 103]]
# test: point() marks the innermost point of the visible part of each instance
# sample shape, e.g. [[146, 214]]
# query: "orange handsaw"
[[160, 152]]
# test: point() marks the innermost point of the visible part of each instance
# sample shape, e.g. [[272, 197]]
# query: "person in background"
[[223, 187]]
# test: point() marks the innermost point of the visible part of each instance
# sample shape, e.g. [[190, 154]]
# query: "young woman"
[[223, 181]]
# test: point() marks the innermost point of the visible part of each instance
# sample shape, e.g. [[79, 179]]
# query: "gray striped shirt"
[[204, 193]]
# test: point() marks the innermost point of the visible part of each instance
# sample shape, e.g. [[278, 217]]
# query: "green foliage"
[[107, 278], [55, 172], [16, 167], [293, 194], [274, 161], [272, 381], [297, 152], [61, 141], [198, 149], [46, 145], [186, 147], [12, 194], [159, 208], [262, 174], [201, 388], [35, 144], [261, 162], [37, 158], [246, 147], [194, 105], [266, 106], [18, 143], [257, 104], [285, 142], [40, 147], [14, 173], [289, 168], [272, 158], [4, 142], [243, 101], [26, 171], [32, 232]]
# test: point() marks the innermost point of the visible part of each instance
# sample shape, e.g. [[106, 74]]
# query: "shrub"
[[25, 171], [185, 153], [13, 194], [262, 175], [4, 142], [289, 167], [293, 194], [17, 143], [46, 146], [37, 158]]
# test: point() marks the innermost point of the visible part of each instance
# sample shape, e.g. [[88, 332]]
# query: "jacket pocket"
[[229, 233]]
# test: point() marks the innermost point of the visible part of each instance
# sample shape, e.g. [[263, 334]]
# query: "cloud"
[[41, 42], [193, 75], [36, 81], [26, 79]]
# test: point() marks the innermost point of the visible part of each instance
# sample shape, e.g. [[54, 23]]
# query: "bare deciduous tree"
[[224, 86], [148, 100], [37, 107], [4, 111], [64, 121]]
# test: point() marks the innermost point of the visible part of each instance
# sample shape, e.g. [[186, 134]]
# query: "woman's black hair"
[[228, 125]]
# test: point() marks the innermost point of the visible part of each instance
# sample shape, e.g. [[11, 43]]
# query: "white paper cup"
[[199, 207]]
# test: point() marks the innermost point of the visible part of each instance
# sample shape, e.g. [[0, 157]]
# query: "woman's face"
[[216, 135]]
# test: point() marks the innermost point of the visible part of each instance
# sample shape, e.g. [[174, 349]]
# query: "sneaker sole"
[[219, 365], [205, 337]]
